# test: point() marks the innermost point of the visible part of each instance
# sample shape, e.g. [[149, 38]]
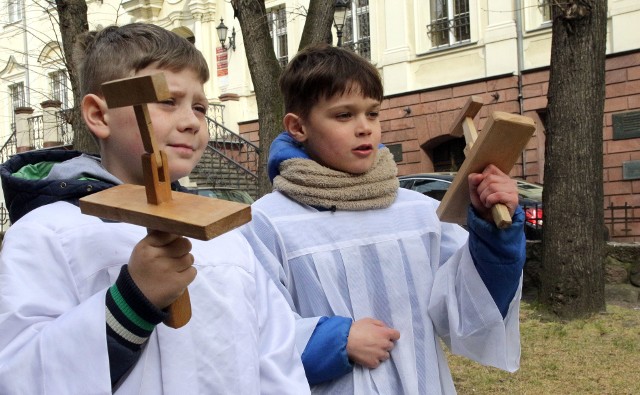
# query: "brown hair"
[[117, 52], [321, 71]]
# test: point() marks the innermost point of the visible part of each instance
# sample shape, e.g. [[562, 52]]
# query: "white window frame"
[[449, 22], [544, 7], [537, 14], [14, 10], [59, 85], [17, 98], [277, 18], [353, 36]]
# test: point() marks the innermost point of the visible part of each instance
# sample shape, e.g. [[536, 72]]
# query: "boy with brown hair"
[[374, 275], [81, 299]]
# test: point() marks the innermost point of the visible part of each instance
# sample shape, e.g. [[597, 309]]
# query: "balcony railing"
[[36, 131], [445, 32], [64, 127]]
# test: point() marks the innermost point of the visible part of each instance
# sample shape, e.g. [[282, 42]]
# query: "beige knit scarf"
[[308, 182]]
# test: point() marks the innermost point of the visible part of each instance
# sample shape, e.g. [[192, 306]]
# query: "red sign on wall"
[[222, 62]]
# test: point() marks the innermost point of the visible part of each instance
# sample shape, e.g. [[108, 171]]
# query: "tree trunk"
[[265, 69], [317, 27], [572, 275], [72, 15]]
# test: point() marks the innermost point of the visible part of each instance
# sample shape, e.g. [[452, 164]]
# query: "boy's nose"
[[189, 122], [363, 127]]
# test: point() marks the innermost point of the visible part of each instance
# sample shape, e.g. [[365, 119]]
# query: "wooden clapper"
[[503, 138], [154, 205]]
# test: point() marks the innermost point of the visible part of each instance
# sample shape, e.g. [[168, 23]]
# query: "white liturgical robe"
[[400, 265], [57, 264]]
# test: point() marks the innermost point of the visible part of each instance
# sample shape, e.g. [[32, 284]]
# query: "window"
[[14, 10], [16, 98], [449, 155], [17, 95], [278, 30], [59, 87], [356, 34], [545, 9], [432, 187], [538, 14], [450, 23]]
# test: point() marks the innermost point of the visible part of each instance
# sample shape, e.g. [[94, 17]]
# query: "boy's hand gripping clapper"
[[503, 138], [154, 205]]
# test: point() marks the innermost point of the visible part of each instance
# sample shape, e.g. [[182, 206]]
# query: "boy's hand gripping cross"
[[163, 210], [503, 138]]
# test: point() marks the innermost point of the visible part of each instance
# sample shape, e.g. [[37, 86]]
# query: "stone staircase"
[[229, 161]]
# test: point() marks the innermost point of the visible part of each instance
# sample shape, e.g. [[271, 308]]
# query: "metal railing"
[[64, 126], [4, 218], [229, 161], [235, 148], [624, 214], [216, 113], [10, 146], [36, 131], [445, 31]]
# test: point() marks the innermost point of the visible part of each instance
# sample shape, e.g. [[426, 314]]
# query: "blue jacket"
[[27, 190]]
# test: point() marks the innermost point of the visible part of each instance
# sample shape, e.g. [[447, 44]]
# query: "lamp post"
[[222, 35], [339, 16]]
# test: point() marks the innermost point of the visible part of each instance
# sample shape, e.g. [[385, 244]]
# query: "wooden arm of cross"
[[137, 92], [154, 205], [501, 142]]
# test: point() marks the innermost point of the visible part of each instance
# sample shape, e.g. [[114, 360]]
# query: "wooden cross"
[[154, 205], [503, 138]]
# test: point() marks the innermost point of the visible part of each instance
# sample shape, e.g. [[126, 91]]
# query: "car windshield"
[[529, 190]]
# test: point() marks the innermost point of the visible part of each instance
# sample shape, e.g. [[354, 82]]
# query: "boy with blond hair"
[[82, 299], [374, 275]]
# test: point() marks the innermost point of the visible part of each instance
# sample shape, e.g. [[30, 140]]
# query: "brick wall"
[[420, 121]]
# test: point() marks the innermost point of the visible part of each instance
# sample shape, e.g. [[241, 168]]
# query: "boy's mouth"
[[186, 146], [182, 148], [364, 149]]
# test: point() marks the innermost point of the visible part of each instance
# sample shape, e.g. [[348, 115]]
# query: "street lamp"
[[222, 35], [339, 16]]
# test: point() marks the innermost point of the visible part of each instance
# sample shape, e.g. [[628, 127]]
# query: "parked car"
[[435, 185], [231, 194]]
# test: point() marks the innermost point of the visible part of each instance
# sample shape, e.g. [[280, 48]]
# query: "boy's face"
[[342, 132], [179, 126]]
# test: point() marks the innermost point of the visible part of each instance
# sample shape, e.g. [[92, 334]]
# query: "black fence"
[[625, 215], [4, 218]]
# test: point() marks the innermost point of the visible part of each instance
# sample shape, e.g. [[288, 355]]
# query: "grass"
[[599, 355]]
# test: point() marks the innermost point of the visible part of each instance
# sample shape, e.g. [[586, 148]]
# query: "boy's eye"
[[169, 102], [373, 114], [200, 109], [343, 115]]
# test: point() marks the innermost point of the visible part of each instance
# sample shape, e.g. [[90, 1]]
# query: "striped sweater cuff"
[[131, 317]]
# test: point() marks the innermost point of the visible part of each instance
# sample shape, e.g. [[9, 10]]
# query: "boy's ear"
[[293, 124], [94, 109]]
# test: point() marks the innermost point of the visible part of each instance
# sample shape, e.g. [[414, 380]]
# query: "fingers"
[[393, 334], [491, 187], [157, 238], [161, 265], [370, 342]]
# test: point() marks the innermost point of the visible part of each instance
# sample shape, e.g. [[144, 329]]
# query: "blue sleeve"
[[499, 256], [325, 356]]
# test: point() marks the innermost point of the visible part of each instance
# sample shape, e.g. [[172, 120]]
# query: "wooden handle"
[[179, 311], [501, 216]]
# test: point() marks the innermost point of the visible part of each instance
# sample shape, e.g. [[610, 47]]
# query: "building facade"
[[432, 55]]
